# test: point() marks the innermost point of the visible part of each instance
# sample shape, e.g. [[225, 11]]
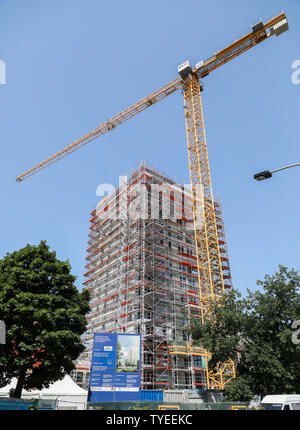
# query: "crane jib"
[[260, 32]]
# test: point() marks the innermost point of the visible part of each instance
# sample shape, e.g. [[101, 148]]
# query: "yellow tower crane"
[[209, 262]]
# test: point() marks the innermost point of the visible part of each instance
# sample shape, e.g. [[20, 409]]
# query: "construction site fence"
[[181, 396], [117, 406], [17, 405]]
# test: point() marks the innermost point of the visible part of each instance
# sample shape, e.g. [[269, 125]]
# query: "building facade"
[[142, 275]]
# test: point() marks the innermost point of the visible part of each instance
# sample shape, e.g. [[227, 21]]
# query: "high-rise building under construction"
[[142, 274]]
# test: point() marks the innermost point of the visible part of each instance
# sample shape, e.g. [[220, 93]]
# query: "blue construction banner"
[[115, 368]]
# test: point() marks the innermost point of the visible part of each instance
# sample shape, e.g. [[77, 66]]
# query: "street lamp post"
[[268, 174]]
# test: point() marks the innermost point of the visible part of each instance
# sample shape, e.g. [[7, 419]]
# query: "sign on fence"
[[115, 368]]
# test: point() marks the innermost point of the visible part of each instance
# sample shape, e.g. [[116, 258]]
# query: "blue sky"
[[72, 64]]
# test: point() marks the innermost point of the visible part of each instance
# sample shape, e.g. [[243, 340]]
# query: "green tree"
[[44, 315], [256, 332]]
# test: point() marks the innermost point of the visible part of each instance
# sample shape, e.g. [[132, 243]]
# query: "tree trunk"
[[19, 386]]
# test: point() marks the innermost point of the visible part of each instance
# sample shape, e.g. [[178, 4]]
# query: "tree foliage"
[[44, 315], [256, 332]]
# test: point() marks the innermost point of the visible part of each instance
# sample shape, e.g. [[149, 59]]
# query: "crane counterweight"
[[280, 27]]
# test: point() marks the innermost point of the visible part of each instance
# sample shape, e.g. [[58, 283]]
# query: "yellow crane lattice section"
[[209, 263]]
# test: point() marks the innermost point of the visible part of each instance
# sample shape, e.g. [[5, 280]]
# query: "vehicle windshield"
[[272, 406], [295, 406]]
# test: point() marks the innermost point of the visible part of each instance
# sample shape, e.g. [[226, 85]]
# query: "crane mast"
[[206, 236], [209, 262]]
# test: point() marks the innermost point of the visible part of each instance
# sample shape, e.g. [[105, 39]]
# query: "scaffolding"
[[143, 278]]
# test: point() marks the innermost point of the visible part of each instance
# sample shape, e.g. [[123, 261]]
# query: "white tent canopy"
[[67, 393]]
